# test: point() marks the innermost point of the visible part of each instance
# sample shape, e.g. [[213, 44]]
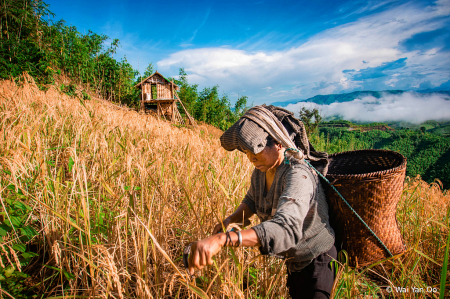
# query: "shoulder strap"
[[297, 132]]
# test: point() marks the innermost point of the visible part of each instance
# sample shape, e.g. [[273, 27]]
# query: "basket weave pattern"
[[372, 183]]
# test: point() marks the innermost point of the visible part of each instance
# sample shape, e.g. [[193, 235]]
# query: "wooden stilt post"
[[180, 119], [163, 114], [173, 103], [142, 99], [190, 118], [173, 112]]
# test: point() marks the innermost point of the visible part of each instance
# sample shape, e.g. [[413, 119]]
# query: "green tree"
[[31, 42], [149, 70], [311, 118], [241, 106], [188, 93], [208, 106]]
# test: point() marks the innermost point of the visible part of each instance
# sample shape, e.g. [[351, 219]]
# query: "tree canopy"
[[31, 42]]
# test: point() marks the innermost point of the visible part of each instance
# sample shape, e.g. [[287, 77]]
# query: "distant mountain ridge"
[[348, 97]]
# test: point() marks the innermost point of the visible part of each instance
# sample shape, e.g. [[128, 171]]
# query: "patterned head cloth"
[[245, 134], [248, 134]]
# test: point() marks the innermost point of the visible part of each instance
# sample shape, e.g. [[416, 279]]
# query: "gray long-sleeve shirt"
[[294, 214]]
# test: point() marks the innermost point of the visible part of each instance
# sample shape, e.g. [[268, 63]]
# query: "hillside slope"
[[85, 168], [100, 201]]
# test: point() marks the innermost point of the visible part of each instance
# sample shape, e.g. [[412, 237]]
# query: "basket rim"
[[394, 170]]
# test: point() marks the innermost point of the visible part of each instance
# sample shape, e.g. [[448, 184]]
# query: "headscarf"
[[250, 133]]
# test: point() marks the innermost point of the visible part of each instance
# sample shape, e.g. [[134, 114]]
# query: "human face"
[[268, 159]]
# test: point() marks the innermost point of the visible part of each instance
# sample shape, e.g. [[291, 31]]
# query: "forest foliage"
[[208, 105], [30, 41], [428, 154]]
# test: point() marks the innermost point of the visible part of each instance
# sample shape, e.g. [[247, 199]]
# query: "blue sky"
[[277, 51]]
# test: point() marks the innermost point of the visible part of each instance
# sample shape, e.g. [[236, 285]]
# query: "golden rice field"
[[99, 201]]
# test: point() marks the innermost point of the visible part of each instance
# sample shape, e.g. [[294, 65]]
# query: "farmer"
[[288, 198]]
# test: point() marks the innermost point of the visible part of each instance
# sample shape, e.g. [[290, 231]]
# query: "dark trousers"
[[314, 281]]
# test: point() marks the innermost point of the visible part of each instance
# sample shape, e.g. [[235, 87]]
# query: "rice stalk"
[[117, 195]]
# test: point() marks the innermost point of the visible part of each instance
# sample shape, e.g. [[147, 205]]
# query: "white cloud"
[[412, 107], [367, 42]]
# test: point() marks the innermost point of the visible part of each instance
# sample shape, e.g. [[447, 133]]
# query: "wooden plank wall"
[[164, 91], [163, 88], [146, 91]]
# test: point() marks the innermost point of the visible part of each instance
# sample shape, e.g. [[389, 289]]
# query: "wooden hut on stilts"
[[159, 96]]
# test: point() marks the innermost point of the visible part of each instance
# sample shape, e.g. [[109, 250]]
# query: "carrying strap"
[[354, 212]]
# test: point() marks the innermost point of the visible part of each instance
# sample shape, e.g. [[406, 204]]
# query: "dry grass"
[[423, 215], [117, 195]]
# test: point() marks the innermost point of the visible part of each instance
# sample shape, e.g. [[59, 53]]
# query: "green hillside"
[[428, 154], [348, 97], [431, 126]]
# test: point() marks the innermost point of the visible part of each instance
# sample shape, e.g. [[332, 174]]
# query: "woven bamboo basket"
[[372, 183]]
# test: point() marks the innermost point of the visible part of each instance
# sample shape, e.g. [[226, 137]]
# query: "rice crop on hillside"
[[100, 201]]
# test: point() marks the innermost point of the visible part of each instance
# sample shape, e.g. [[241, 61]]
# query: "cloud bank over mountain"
[[409, 106], [273, 52], [405, 47]]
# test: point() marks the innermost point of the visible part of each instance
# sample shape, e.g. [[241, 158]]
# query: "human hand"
[[218, 227], [203, 251]]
